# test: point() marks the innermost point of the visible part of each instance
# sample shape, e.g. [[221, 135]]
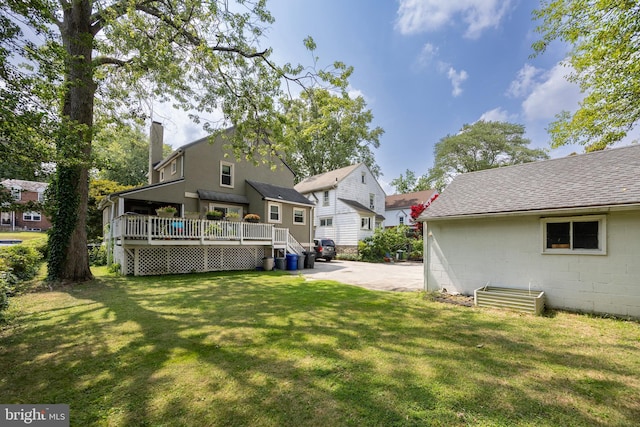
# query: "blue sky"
[[426, 68]]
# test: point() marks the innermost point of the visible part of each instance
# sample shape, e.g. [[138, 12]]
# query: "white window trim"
[[372, 201], [325, 198], [279, 206], [174, 167], [29, 216], [602, 235], [16, 193], [232, 174], [368, 218], [304, 216], [326, 218]]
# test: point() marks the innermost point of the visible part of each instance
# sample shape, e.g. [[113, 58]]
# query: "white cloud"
[[553, 94], [427, 54], [497, 115], [457, 78], [416, 16], [524, 81]]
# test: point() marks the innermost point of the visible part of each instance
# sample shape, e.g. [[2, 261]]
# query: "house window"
[[274, 212], [5, 218], [584, 235], [326, 222], [41, 196], [31, 216], [325, 199], [226, 174], [362, 178], [372, 201], [299, 216], [365, 223], [174, 167], [15, 193], [161, 174], [401, 220], [225, 209]]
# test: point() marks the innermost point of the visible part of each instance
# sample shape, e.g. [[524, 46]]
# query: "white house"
[[569, 227], [398, 206], [349, 205]]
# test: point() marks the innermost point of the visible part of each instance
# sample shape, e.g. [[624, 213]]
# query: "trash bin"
[[267, 263], [300, 262], [309, 259], [400, 254], [292, 262], [281, 264]]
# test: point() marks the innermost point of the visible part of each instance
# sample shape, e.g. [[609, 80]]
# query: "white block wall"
[[463, 255]]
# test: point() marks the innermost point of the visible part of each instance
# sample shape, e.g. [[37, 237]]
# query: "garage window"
[[570, 235]]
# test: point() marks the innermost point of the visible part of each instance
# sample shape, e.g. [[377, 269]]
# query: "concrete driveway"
[[401, 276]]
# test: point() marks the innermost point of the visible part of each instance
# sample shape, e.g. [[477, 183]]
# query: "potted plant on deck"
[[252, 218], [232, 216], [214, 215], [166, 211]]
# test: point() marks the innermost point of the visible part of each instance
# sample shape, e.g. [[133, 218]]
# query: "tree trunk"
[[69, 257]]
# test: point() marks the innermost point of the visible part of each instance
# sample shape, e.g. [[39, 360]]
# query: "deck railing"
[[152, 228]]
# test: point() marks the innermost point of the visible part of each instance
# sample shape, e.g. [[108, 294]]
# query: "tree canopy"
[[410, 183], [324, 131], [482, 145], [604, 56], [204, 56]]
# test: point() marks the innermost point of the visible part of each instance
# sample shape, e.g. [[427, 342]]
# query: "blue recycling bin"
[[292, 262]]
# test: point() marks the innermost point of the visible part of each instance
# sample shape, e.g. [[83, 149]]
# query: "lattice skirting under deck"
[[143, 261]]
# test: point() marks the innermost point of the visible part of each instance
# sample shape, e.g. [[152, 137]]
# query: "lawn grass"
[[22, 235], [270, 349]]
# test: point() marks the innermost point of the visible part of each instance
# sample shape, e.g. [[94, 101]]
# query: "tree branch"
[[106, 60]]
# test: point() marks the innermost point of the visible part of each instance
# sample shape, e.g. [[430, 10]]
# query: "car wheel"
[[328, 259]]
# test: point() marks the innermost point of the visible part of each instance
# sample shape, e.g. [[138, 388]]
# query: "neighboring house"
[[569, 227], [349, 205], [398, 206], [23, 192], [199, 177]]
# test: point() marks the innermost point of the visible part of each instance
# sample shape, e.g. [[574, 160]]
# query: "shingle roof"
[[603, 178], [361, 208], [270, 191], [217, 196], [399, 201], [324, 180], [22, 184]]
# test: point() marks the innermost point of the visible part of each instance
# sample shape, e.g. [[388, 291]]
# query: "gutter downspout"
[[425, 255]]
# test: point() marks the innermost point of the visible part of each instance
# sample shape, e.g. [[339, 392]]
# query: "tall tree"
[[205, 55], [604, 38], [324, 131], [410, 183], [121, 153], [482, 145]]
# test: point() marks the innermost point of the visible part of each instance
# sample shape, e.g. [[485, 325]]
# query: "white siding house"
[[398, 206], [349, 202], [569, 227]]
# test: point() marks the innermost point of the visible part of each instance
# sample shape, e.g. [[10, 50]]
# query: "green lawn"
[[269, 349]]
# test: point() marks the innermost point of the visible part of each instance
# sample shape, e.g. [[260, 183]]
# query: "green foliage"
[[604, 41], [482, 145], [386, 241], [23, 261], [39, 244], [98, 190], [409, 183], [98, 255], [8, 282], [324, 131]]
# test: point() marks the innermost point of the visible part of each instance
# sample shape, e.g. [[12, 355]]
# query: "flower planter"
[[529, 301], [163, 214]]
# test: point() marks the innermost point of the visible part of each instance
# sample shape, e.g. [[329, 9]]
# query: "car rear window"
[[328, 243]]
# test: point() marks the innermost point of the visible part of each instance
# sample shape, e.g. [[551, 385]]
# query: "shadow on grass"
[[271, 349]]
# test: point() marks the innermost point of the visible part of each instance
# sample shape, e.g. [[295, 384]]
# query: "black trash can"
[[309, 259]]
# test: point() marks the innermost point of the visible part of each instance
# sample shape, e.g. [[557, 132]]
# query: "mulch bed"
[[458, 299]]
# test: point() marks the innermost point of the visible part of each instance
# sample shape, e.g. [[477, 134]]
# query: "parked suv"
[[325, 248]]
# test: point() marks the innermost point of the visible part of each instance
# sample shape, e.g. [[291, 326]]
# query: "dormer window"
[[15, 193]]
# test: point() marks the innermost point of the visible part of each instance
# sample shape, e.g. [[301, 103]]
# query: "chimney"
[[155, 150]]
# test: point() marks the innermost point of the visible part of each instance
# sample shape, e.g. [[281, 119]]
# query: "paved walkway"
[[401, 276]]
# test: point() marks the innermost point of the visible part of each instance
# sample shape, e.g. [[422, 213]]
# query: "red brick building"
[[22, 192]]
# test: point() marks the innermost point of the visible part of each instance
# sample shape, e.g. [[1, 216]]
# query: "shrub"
[[22, 260], [40, 244], [7, 285], [386, 241], [98, 255]]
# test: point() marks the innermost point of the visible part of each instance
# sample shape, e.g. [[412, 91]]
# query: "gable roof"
[[599, 179], [24, 185], [277, 193], [399, 201], [325, 180]]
